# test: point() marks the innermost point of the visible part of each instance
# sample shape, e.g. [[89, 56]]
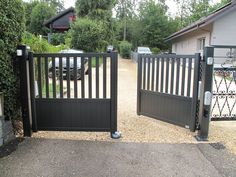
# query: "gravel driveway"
[[141, 128]]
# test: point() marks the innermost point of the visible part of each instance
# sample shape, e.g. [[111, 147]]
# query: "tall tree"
[[40, 13], [155, 24]]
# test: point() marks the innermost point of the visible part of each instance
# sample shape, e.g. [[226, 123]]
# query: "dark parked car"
[[64, 65]]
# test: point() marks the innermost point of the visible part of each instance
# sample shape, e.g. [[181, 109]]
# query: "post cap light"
[[19, 52]]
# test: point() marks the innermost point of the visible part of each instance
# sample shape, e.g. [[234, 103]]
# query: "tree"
[[88, 35], [156, 25], [40, 13]]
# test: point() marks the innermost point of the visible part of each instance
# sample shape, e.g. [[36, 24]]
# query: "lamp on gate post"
[[1, 105]]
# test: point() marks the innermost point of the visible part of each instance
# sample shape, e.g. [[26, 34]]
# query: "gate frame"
[[27, 91]]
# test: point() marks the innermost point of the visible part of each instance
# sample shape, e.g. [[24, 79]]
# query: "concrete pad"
[[48, 158]]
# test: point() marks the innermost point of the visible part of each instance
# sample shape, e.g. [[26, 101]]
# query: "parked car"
[[144, 50], [110, 48], [64, 65]]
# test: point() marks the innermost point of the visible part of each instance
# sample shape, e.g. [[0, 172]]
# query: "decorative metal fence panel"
[[224, 94]]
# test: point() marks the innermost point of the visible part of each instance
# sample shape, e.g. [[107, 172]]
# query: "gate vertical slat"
[[153, 72], [104, 77], [189, 76], [172, 75], [40, 76], [192, 123], [82, 77], [113, 81], [177, 76], [167, 74], [139, 84], [32, 91], [54, 77], [68, 76], [97, 76], [46, 77], [148, 72], [183, 76], [75, 78], [162, 73], [144, 72], [61, 77], [157, 74], [90, 77]]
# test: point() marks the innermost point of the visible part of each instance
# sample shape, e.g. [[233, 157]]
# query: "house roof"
[[204, 20], [59, 15]]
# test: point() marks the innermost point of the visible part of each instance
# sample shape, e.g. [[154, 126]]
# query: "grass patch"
[[94, 62], [50, 90]]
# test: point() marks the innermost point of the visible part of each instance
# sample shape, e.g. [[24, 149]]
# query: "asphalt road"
[[65, 158]]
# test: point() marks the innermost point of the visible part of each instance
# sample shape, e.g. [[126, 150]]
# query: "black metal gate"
[[168, 88], [69, 91]]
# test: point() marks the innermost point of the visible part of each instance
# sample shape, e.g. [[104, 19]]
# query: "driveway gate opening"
[[72, 91], [168, 88]]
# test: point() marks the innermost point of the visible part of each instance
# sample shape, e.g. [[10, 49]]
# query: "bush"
[[58, 38], [88, 35], [12, 26], [125, 49], [38, 45], [155, 50]]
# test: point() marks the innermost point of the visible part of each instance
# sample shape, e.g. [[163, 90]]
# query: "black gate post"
[[22, 55], [139, 83], [114, 80], [206, 94]]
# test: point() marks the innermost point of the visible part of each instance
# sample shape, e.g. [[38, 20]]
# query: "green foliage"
[[40, 45], [40, 13], [58, 38], [155, 50], [155, 24], [125, 49], [99, 10], [12, 26], [88, 35]]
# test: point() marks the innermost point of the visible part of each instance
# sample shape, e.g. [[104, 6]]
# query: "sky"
[[170, 3]]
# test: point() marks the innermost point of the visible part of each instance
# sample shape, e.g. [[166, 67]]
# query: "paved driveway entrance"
[[63, 158]]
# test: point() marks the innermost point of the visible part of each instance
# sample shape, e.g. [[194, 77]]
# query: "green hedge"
[[125, 49], [12, 26], [88, 35]]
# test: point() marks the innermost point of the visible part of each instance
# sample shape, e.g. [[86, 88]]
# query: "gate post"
[[114, 79], [22, 55], [206, 94], [139, 82]]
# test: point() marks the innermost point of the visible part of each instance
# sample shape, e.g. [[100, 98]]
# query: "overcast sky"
[[171, 4]]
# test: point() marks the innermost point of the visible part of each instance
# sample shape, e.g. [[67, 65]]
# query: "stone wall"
[[6, 131]]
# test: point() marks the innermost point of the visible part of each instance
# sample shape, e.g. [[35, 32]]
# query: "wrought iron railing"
[[224, 94]]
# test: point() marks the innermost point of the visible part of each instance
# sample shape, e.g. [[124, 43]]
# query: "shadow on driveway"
[[52, 157]]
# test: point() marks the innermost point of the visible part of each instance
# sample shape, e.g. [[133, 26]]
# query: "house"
[[216, 29], [61, 22]]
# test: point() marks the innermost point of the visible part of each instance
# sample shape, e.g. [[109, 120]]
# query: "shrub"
[[12, 26], [125, 49], [155, 50], [40, 45], [88, 35], [58, 38]]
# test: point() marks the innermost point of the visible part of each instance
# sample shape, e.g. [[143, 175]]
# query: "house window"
[[201, 44]]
